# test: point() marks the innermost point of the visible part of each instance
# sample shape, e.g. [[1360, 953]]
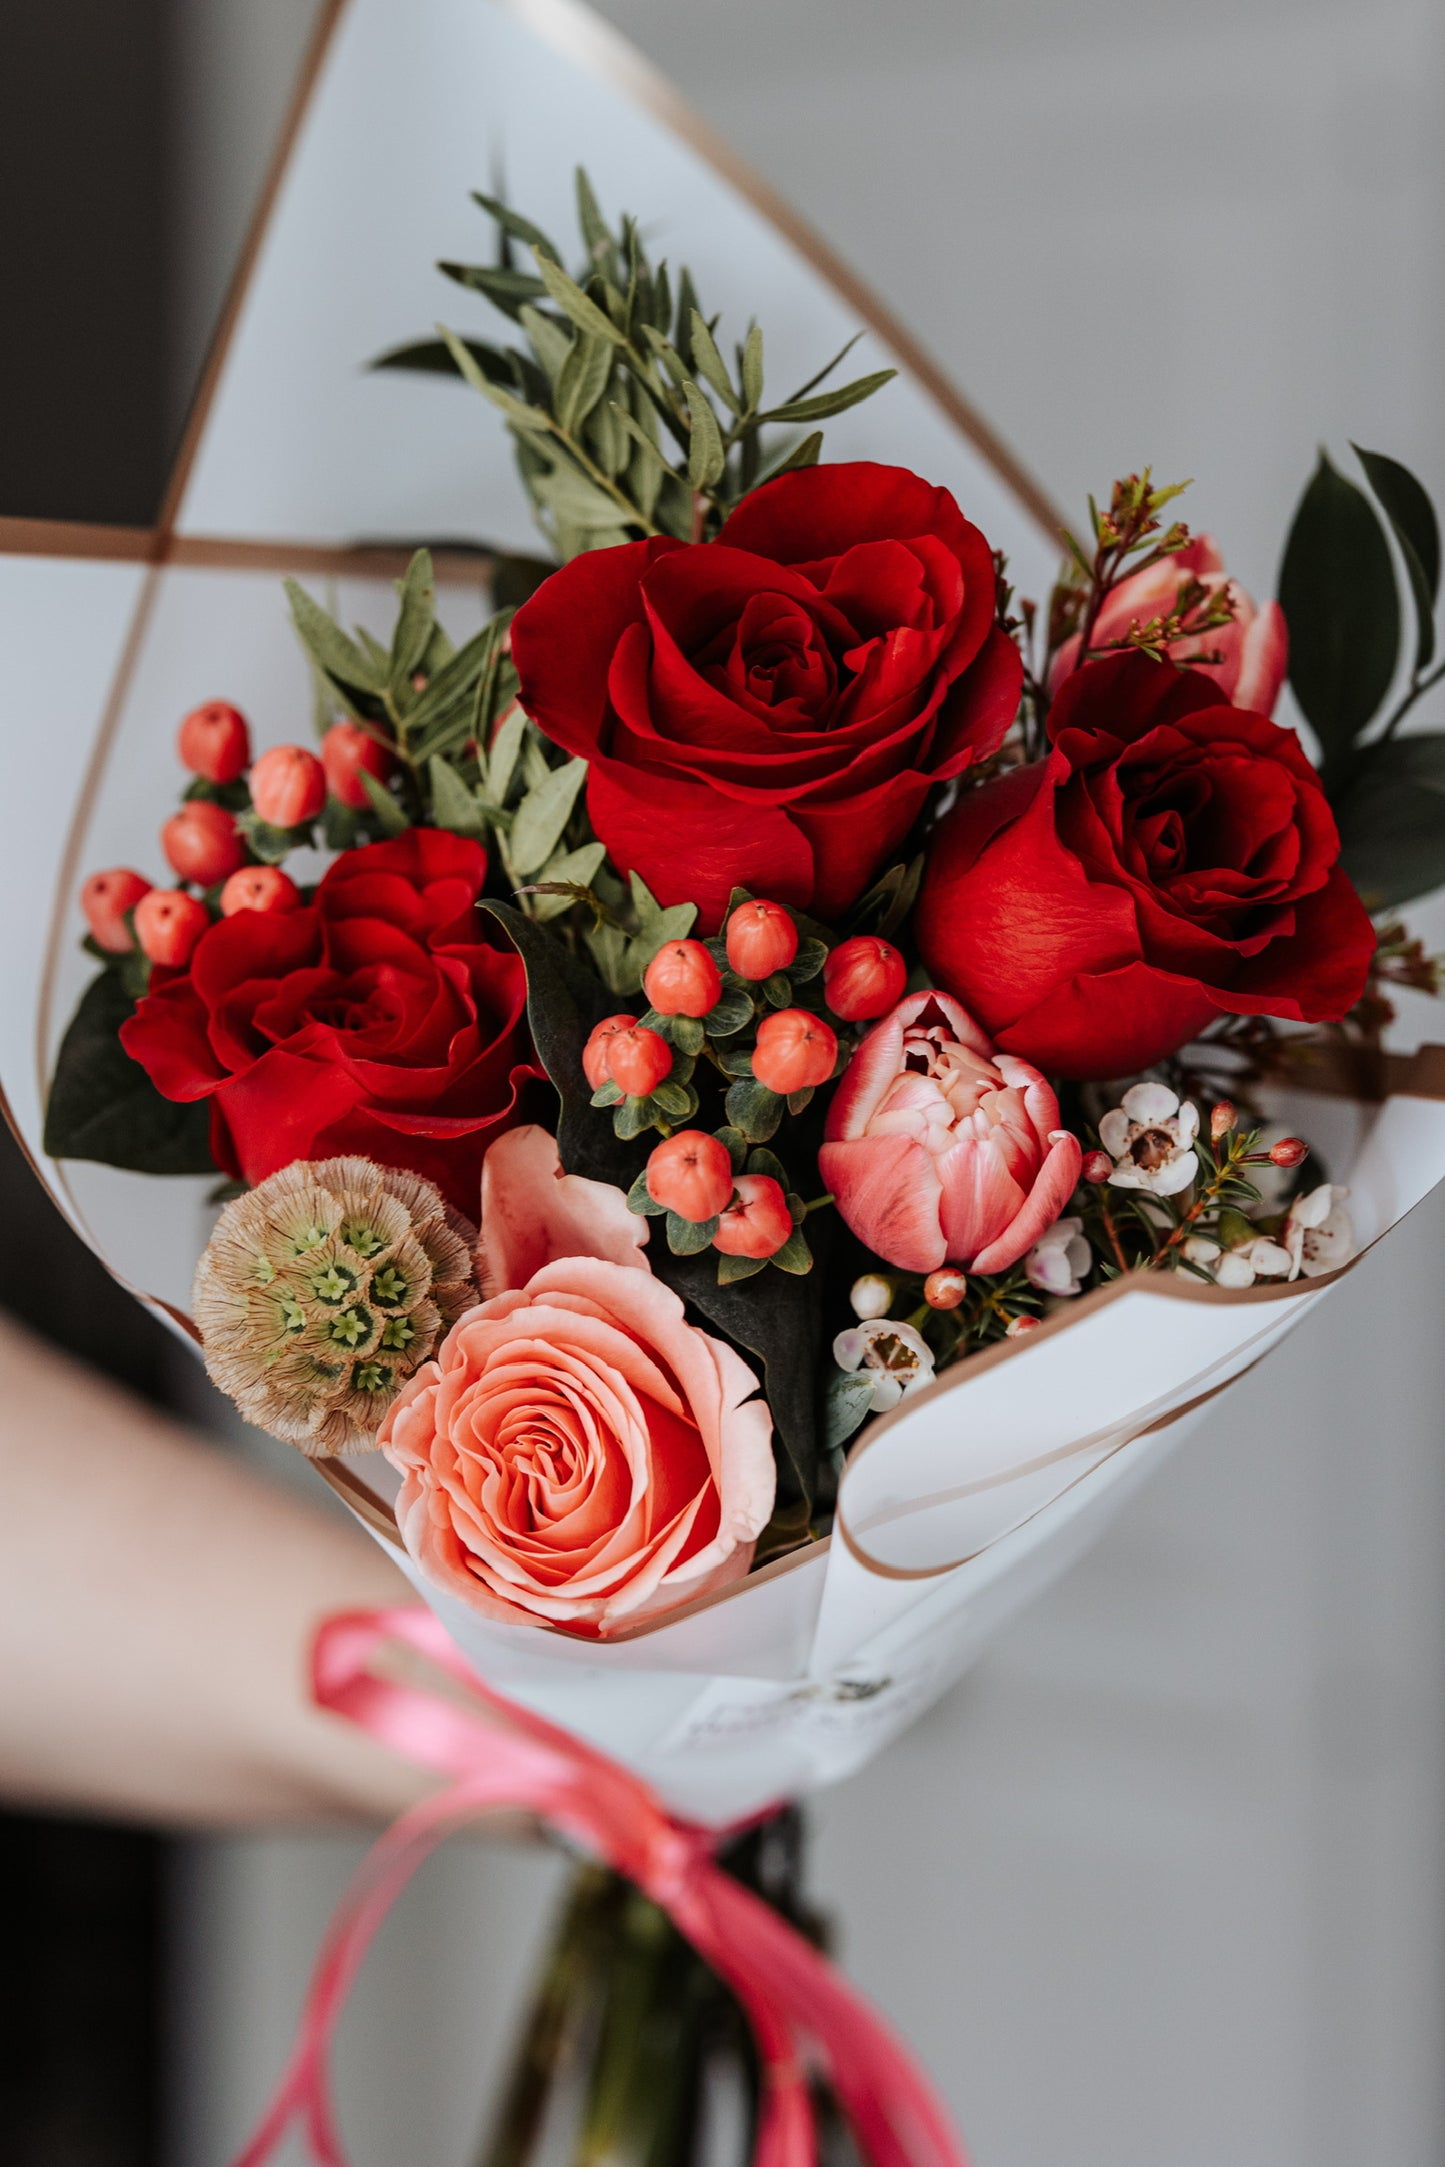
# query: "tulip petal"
[[887, 1191], [1058, 1178]]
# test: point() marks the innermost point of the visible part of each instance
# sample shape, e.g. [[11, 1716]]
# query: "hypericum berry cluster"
[[237, 819], [717, 1193]]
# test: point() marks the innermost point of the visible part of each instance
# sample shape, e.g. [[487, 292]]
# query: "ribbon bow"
[[792, 1996]]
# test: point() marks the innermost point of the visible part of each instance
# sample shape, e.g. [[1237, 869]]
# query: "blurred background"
[[1161, 1883]]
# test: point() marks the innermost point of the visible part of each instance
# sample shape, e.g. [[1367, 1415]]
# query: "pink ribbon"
[[792, 1996]]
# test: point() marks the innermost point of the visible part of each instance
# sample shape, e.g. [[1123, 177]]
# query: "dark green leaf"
[[688, 1033], [804, 454], [103, 1105], [510, 221], [453, 806], [543, 814], [582, 380], [564, 1002], [596, 233], [809, 960], [1391, 811], [766, 1162], [752, 369], [687, 1237], [754, 1109], [415, 620], [795, 1255], [343, 661], [730, 1014], [515, 579], [710, 366], [705, 455], [849, 1400], [1412, 515], [391, 817], [732, 1269], [639, 1198], [1337, 589], [505, 289], [434, 357], [827, 369], [676, 1100], [826, 403], [570, 298]]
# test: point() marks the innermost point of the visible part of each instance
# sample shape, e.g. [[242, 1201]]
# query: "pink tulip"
[[1254, 647], [941, 1151]]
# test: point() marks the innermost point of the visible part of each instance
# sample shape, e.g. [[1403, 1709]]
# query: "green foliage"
[[103, 1105], [627, 416], [1337, 590]]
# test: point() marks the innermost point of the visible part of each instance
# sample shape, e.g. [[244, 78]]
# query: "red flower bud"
[[945, 1288], [1222, 1120], [168, 923], [214, 742], [1097, 1166], [638, 1060], [1289, 1151], [203, 843], [794, 1051], [288, 786], [346, 750], [863, 978], [1017, 1326], [691, 1174], [757, 1221], [105, 899], [259, 887], [682, 980], [594, 1053], [761, 939]]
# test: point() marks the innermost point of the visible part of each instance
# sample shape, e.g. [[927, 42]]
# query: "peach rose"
[[1253, 648], [577, 1453]]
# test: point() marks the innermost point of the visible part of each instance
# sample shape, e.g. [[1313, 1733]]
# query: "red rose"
[[771, 709], [1171, 857], [377, 1019]]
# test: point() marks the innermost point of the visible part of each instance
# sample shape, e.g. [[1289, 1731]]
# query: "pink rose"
[[1254, 647], [941, 1151], [577, 1453]]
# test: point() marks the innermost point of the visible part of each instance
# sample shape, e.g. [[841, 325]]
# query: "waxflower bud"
[[761, 939], [863, 978], [168, 923], [871, 1296], [1222, 1120], [794, 1052], [757, 1222], [691, 1174], [1017, 1326], [638, 1060], [594, 1053], [682, 980], [1097, 1166], [346, 751], [945, 1288], [105, 899], [288, 786], [259, 887], [202, 843], [214, 742], [1289, 1151]]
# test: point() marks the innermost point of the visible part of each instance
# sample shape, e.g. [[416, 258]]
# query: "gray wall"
[[1160, 1885]]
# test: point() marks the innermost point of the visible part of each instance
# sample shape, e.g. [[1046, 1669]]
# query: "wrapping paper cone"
[[969, 1496]]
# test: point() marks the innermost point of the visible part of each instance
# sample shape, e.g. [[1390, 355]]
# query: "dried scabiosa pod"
[[323, 1290]]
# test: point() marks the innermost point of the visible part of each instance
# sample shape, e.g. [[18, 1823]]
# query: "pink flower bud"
[[288, 786], [168, 924], [794, 1052], [259, 887], [757, 1222], [863, 978], [1289, 1151], [945, 1288], [1017, 1326], [691, 1174], [202, 843], [1222, 1120], [594, 1053], [1097, 1166], [105, 899], [346, 751], [638, 1060], [761, 939], [682, 980], [215, 742]]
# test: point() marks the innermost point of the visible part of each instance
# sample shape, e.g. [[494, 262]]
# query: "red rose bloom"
[[377, 1020], [771, 709], [1172, 857]]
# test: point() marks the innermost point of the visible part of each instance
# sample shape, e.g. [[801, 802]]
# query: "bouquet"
[[750, 1091]]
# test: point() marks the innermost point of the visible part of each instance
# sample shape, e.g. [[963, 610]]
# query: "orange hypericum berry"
[[594, 1053], [682, 980], [215, 742], [288, 786], [761, 939], [864, 978], [346, 750], [691, 1174], [168, 923], [638, 1060], [1289, 1151], [794, 1051], [202, 843], [757, 1222], [945, 1288], [105, 899], [259, 887]]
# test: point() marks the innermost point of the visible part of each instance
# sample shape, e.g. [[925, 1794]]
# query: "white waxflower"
[[1257, 1259], [1201, 1249], [1150, 1138], [897, 1355], [1318, 1231], [1059, 1259], [871, 1296]]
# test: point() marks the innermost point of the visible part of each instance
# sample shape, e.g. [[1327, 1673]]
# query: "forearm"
[[156, 1608]]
